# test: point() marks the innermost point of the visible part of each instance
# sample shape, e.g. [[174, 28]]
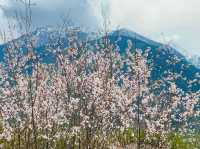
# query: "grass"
[[117, 138]]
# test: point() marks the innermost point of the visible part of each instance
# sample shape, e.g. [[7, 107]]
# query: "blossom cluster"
[[97, 90]]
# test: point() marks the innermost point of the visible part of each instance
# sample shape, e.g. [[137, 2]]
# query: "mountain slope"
[[160, 55]]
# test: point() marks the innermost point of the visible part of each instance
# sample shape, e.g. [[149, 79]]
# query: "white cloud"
[[178, 19], [51, 12], [7, 25]]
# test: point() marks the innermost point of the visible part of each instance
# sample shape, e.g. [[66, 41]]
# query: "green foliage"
[[178, 141], [123, 137], [98, 140]]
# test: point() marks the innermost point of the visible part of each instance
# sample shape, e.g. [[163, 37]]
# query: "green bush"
[[101, 141]]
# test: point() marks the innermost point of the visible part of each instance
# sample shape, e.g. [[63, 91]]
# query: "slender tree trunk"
[[19, 139]]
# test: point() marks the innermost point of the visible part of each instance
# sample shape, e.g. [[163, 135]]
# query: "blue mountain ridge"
[[160, 54]]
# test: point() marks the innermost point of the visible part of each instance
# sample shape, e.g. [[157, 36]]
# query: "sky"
[[168, 21]]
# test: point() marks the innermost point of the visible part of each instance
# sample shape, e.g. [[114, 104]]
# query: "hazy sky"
[[161, 20]]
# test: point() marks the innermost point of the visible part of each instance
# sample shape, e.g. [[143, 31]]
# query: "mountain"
[[195, 59], [160, 55], [44, 37]]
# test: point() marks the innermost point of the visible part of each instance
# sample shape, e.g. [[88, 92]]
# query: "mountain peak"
[[160, 54], [131, 34]]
